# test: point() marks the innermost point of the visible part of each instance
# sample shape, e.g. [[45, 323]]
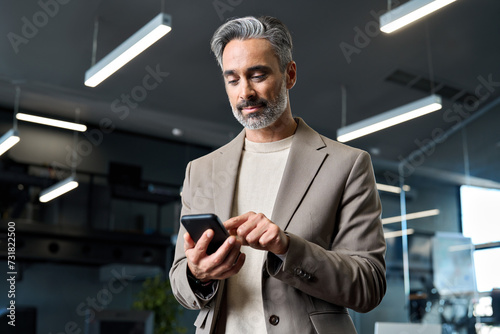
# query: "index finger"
[[235, 222]]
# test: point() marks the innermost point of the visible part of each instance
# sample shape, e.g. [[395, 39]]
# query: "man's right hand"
[[225, 262]]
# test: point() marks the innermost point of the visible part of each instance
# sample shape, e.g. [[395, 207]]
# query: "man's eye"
[[232, 82], [259, 77]]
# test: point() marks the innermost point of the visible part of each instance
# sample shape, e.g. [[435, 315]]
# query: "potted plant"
[[156, 295]]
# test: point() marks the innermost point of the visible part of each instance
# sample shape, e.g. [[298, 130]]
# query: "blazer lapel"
[[304, 161], [224, 176]]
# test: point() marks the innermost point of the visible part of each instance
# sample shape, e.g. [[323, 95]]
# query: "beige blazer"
[[329, 206]]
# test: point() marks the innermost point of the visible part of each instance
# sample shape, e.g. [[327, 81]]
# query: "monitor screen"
[[122, 327], [452, 264], [121, 322]]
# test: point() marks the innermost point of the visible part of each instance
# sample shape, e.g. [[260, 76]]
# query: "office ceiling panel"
[[47, 46]]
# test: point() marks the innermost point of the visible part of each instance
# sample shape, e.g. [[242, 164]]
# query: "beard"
[[271, 110]]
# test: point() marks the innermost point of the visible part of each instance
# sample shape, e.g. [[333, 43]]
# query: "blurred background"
[[91, 256]]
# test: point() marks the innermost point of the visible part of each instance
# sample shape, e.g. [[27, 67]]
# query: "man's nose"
[[247, 91]]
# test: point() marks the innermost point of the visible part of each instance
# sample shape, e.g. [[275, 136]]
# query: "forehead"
[[242, 54]]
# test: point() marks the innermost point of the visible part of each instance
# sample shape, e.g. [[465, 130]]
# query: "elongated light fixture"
[[410, 216], [395, 234], [51, 122], [9, 139], [128, 50], [408, 13], [389, 118], [392, 189], [58, 189]]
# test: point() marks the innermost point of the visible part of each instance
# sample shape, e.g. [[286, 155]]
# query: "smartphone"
[[196, 225]]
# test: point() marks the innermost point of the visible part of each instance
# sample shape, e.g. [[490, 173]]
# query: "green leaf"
[[156, 295]]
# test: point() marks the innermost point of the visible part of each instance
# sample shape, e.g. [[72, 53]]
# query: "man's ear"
[[291, 74]]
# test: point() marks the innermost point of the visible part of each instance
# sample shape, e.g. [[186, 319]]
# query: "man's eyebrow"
[[227, 73], [255, 68]]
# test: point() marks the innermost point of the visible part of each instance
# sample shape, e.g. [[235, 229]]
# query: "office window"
[[481, 223]]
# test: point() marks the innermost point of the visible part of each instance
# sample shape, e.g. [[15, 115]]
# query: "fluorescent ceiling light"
[[408, 13], [389, 118], [9, 139], [410, 216], [134, 45], [392, 189], [395, 234], [51, 122], [58, 189]]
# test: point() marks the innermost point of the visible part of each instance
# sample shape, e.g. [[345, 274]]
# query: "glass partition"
[[446, 232]]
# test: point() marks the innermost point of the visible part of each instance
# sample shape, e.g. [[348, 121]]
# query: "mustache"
[[251, 103]]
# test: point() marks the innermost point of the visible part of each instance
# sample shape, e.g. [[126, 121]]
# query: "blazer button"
[[298, 272], [274, 320]]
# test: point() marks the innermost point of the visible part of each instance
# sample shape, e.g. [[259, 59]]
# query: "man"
[[302, 210]]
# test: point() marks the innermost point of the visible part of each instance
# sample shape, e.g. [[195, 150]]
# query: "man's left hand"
[[257, 231]]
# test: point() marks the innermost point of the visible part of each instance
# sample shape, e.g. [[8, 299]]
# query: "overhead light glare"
[[51, 122], [58, 189], [9, 139], [408, 13], [395, 234], [128, 50], [392, 189], [461, 248], [410, 216], [389, 118]]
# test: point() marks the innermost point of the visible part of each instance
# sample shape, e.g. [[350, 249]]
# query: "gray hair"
[[266, 27]]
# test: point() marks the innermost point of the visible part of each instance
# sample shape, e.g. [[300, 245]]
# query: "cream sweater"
[[259, 178]]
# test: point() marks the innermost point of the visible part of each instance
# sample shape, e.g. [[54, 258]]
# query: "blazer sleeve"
[[179, 281], [351, 271]]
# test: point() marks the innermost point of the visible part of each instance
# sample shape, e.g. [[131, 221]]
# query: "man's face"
[[254, 84]]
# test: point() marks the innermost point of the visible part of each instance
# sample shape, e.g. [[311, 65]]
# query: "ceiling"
[[335, 44]]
